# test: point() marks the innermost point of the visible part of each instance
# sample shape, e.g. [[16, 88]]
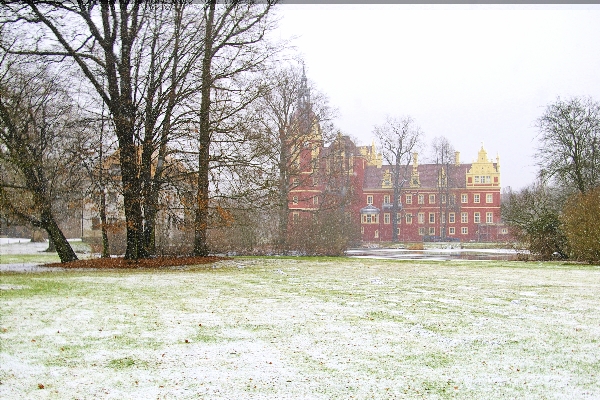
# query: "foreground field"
[[304, 329]]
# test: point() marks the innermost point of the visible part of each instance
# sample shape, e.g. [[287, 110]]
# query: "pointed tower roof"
[[303, 90]]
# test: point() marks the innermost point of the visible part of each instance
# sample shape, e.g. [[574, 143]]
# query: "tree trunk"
[[284, 211], [51, 246], [395, 200], [132, 201], [201, 220], [103, 224], [63, 248]]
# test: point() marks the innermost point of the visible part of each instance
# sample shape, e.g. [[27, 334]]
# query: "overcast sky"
[[471, 73]]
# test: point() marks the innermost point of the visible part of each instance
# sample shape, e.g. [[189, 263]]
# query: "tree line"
[[184, 108]]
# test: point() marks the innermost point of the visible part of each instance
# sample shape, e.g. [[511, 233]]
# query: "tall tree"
[[167, 55], [36, 169], [233, 35], [142, 61], [399, 138], [569, 149], [99, 39], [296, 121], [444, 158]]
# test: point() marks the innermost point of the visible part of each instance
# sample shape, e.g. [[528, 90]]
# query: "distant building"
[[461, 203], [438, 202]]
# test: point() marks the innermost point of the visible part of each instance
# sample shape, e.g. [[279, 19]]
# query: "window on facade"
[[443, 199], [451, 230], [452, 199], [421, 218], [504, 231], [464, 217], [451, 218], [409, 199], [408, 218], [432, 199], [315, 200], [370, 218], [443, 218], [386, 218], [421, 199], [296, 182], [398, 217], [476, 198], [476, 218], [295, 199], [369, 199], [315, 181], [386, 199], [376, 234], [489, 198], [362, 230], [295, 217], [464, 230], [432, 218], [464, 198], [476, 178], [421, 231], [431, 231], [489, 218]]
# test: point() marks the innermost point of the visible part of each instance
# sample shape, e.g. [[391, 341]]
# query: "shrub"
[[581, 224]]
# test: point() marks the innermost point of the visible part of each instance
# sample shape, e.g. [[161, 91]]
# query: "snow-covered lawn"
[[304, 329]]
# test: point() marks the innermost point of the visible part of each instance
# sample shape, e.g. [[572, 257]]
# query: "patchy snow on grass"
[[304, 329]]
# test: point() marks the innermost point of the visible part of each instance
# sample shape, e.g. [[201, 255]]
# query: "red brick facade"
[[439, 202]]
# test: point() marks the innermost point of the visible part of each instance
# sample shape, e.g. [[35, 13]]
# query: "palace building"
[[451, 202]]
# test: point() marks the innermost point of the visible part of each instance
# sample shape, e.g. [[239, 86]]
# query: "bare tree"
[[444, 157], [533, 216], [398, 138], [569, 149], [233, 35], [100, 40], [36, 169], [142, 60], [295, 123]]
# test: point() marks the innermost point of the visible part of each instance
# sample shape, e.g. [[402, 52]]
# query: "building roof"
[[428, 175], [370, 209]]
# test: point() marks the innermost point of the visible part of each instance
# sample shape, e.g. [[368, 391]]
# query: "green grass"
[[28, 258], [304, 328]]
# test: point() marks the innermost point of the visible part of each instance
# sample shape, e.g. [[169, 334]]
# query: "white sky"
[[471, 73]]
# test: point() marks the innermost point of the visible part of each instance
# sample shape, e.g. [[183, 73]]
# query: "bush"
[[328, 233], [533, 217], [581, 224]]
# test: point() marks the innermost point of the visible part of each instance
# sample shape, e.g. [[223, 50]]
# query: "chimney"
[[457, 158]]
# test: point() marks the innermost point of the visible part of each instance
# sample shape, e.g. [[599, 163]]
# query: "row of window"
[[483, 179], [296, 181], [464, 198], [432, 231], [315, 200], [408, 217]]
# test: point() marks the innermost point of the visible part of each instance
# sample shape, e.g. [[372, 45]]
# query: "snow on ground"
[[21, 246], [22, 255], [304, 329]]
